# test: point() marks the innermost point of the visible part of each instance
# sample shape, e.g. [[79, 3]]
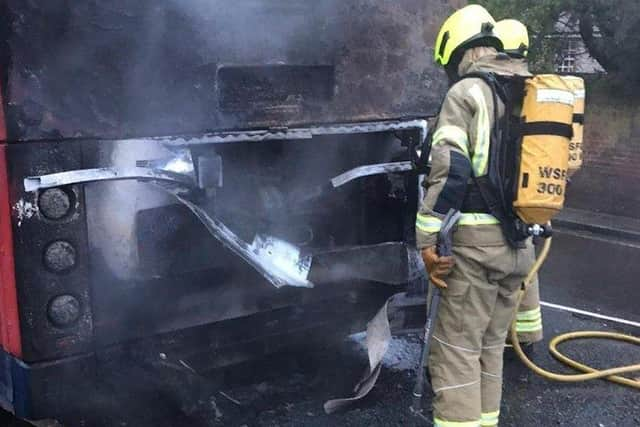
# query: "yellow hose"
[[612, 374]]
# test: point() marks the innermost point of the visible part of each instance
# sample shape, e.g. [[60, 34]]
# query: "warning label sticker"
[[555, 96]]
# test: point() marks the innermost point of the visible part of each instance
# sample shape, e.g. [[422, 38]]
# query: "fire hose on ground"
[[611, 374]]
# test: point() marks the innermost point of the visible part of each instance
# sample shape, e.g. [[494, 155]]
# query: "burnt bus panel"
[[120, 266], [252, 88], [149, 67], [169, 242], [120, 384], [146, 248], [106, 262], [51, 257]]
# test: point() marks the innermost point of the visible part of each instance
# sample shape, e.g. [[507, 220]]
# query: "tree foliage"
[[609, 29]]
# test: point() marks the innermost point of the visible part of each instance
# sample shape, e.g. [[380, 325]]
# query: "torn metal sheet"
[[369, 170], [181, 162], [378, 339], [83, 176], [280, 262], [385, 168]]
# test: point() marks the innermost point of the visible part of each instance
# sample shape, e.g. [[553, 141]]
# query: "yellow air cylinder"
[[547, 117], [575, 146]]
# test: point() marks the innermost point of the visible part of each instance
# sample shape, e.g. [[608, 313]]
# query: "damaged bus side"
[[201, 182]]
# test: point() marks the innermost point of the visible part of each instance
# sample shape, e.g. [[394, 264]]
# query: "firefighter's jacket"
[[460, 150]]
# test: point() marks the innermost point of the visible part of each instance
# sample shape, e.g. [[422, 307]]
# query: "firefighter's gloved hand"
[[438, 267]]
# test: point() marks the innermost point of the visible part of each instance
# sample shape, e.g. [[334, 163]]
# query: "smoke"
[[113, 207], [147, 68], [142, 68]]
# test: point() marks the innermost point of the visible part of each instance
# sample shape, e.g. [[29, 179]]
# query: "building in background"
[[573, 56], [609, 177]]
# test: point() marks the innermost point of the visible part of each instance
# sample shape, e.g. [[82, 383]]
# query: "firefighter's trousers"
[[529, 317], [475, 314]]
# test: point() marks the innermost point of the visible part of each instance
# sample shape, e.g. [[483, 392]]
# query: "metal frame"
[[279, 262], [293, 133]]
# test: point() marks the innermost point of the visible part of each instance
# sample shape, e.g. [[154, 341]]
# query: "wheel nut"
[[54, 203], [64, 310], [60, 256]]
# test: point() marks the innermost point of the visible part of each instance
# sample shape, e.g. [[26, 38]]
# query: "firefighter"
[[515, 39], [514, 36], [480, 282]]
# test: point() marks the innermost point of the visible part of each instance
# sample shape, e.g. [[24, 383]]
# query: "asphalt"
[[593, 264], [292, 389], [612, 225]]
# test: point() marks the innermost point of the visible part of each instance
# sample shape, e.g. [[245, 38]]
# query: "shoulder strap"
[[491, 80], [492, 186]]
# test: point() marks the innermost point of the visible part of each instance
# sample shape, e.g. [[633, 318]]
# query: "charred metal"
[[170, 161]]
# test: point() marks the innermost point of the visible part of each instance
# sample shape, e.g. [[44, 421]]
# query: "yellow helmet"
[[514, 36], [470, 26]]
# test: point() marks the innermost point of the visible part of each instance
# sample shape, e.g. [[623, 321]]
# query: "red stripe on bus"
[[9, 317]]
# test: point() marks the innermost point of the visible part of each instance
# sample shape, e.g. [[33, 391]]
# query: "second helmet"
[[514, 36]]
